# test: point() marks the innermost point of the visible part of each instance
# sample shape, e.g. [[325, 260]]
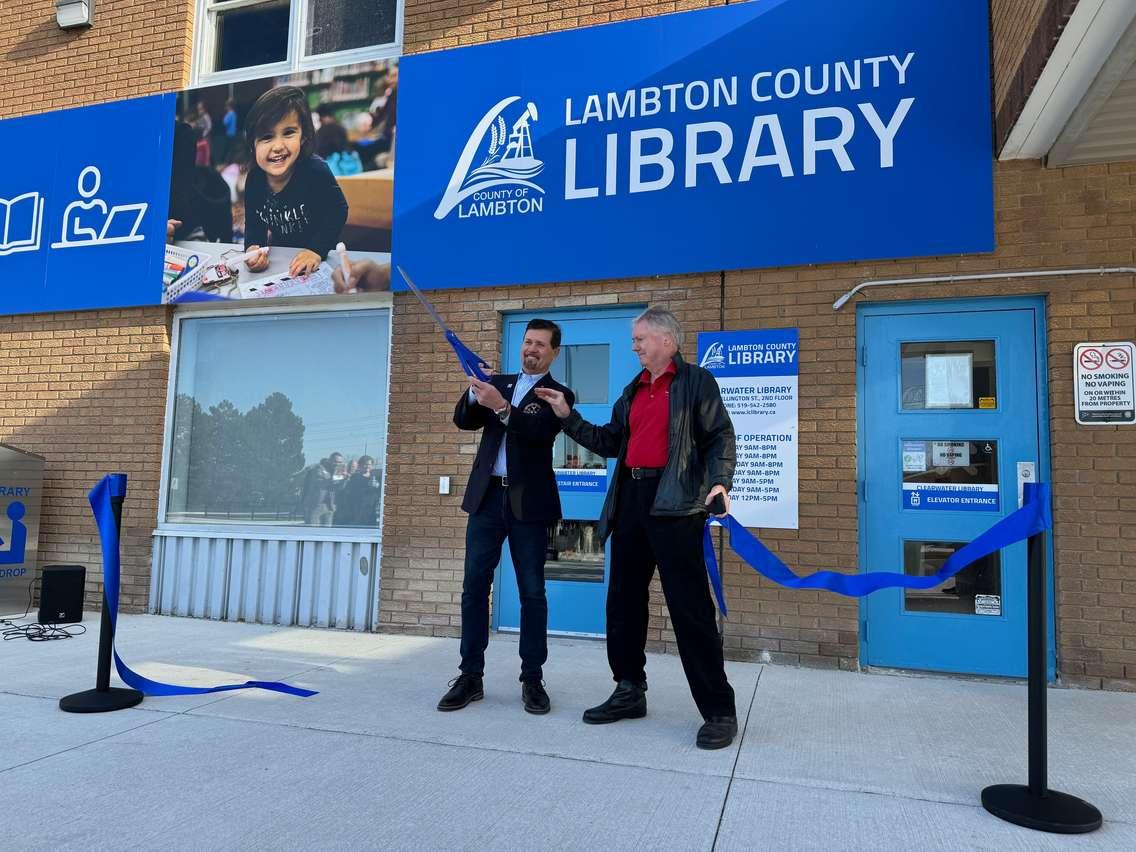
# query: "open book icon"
[[21, 222]]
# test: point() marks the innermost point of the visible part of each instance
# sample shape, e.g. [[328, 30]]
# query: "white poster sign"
[[948, 381], [950, 453], [757, 375], [1104, 383]]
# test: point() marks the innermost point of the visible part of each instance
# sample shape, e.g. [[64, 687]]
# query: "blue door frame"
[[880, 414], [575, 607]]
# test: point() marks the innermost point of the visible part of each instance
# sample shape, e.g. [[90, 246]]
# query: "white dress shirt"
[[523, 385]]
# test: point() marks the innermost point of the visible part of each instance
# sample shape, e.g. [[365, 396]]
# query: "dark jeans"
[[639, 542], [485, 532]]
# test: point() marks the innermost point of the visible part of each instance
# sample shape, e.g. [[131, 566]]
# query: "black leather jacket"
[[701, 451]]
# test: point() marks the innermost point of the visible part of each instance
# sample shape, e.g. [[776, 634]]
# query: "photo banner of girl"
[[283, 186]]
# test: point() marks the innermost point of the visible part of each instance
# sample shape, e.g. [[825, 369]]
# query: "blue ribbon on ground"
[[114, 485], [471, 363], [1035, 516]]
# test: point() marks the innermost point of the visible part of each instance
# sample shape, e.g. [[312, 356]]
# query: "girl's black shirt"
[[308, 213]]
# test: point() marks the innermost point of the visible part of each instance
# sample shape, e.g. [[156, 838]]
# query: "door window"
[[575, 552], [950, 474], [976, 590], [949, 374], [584, 368]]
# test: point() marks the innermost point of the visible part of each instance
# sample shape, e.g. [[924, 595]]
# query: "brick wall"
[[1023, 35], [1012, 25], [451, 23], [98, 378], [87, 390], [422, 562], [1045, 218], [133, 49]]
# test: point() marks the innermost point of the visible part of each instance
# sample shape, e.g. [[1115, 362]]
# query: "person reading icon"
[[87, 222], [14, 555]]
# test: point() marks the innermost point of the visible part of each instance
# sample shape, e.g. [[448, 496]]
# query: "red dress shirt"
[[650, 420]]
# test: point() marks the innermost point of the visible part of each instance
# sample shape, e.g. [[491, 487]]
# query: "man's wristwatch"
[[503, 414]]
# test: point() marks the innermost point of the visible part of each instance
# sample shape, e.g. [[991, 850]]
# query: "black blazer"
[[532, 429]]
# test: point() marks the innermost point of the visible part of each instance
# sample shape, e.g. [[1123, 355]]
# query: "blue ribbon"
[[198, 296], [1035, 516], [114, 485], [470, 362]]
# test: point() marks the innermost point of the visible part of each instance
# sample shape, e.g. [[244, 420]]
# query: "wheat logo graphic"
[[713, 359], [508, 159]]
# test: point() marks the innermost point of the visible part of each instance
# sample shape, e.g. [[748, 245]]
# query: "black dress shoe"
[[717, 732], [534, 697], [463, 689], [629, 701]]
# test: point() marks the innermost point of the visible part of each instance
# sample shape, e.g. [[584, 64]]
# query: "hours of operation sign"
[[1105, 393], [757, 375]]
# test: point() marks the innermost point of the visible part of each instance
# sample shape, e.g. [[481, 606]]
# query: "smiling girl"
[[291, 197]]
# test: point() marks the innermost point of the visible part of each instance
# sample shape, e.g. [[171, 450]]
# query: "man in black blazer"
[[511, 495]]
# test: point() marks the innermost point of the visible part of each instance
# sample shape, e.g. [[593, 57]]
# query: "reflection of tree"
[[277, 448], [231, 462]]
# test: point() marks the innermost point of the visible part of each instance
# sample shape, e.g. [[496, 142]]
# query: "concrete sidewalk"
[[827, 760]]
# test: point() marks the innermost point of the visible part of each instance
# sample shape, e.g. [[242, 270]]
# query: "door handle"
[[1027, 472]]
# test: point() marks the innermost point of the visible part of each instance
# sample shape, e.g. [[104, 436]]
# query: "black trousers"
[[639, 542]]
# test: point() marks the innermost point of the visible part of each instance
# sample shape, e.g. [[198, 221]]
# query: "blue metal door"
[[596, 361], [951, 421]]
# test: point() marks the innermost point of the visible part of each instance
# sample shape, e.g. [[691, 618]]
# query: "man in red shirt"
[[675, 444]]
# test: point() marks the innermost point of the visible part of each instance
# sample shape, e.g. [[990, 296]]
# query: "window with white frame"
[[278, 419], [241, 39]]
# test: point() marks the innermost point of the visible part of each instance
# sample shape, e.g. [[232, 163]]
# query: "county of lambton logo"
[[502, 183], [713, 359]]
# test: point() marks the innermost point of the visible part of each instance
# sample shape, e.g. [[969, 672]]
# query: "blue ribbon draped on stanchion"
[[114, 485], [1035, 516]]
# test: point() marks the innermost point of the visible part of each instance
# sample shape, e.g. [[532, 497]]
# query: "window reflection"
[[958, 462], [575, 552], [271, 428], [566, 453], [583, 368], [251, 35], [976, 590], [948, 374]]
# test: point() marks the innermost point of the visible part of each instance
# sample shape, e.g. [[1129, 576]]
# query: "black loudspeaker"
[[61, 594]]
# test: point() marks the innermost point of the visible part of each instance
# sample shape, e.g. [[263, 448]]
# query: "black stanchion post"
[[103, 697], [1034, 805]]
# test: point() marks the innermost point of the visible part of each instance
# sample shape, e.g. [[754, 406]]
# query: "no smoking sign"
[[1105, 394]]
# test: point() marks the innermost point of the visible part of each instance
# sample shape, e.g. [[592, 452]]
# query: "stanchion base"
[[1055, 812], [93, 701]]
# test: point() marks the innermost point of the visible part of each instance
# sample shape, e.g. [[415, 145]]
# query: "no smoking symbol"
[[1091, 359], [1117, 359]]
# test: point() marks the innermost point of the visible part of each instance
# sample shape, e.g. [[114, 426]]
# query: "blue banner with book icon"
[[83, 198], [759, 134]]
